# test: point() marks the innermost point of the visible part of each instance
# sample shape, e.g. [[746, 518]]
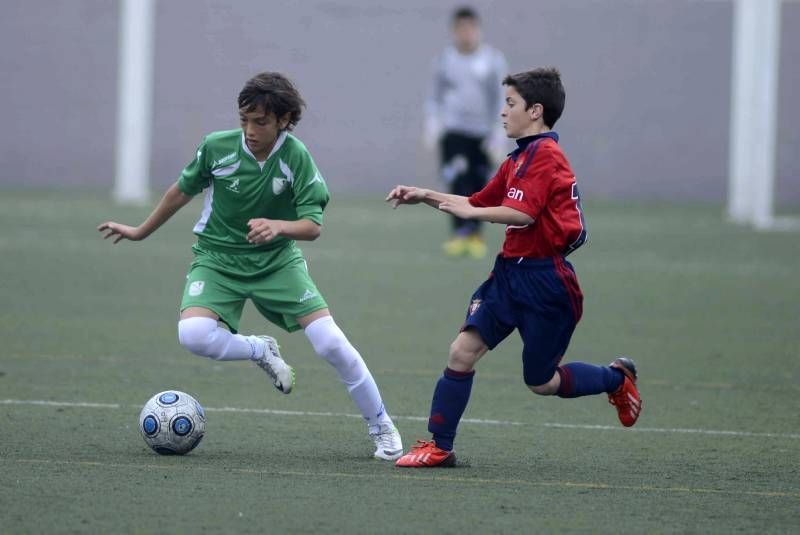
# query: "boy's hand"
[[405, 195], [462, 210], [264, 230], [120, 232]]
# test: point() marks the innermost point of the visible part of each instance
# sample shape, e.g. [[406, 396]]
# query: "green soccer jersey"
[[288, 187]]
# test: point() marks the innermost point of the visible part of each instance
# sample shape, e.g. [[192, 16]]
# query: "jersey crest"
[[279, 185]]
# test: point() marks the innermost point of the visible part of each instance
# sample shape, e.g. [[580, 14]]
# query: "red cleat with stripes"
[[626, 399], [426, 455]]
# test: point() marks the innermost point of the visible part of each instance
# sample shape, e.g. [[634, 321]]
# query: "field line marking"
[[46, 403], [277, 412], [349, 415], [673, 430], [438, 478], [477, 421]]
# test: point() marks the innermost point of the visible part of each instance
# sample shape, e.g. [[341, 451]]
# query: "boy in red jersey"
[[532, 286]]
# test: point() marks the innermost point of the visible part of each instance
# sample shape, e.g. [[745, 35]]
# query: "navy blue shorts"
[[541, 298]]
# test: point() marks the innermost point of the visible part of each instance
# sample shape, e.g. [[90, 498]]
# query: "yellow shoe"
[[476, 246], [455, 246]]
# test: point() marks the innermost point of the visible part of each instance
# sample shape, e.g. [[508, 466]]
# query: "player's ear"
[[535, 111]]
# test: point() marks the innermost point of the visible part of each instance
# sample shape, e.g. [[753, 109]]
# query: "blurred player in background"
[[461, 119], [532, 287], [263, 192]]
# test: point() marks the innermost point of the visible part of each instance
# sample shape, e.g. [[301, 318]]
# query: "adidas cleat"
[[427, 455], [626, 398], [271, 362], [388, 445]]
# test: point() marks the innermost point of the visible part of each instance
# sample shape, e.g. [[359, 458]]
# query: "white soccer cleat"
[[271, 362], [388, 444]]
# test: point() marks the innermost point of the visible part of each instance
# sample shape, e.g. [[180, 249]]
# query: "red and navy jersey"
[[537, 179]]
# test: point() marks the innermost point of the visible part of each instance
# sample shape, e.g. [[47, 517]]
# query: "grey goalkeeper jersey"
[[467, 93]]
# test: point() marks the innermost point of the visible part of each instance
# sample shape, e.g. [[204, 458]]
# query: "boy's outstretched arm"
[[413, 195], [492, 214], [172, 201], [457, 205]]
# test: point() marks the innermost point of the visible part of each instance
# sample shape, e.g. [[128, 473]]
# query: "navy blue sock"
[[449, 401], [581, 379]]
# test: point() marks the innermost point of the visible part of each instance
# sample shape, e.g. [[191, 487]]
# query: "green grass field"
[[709, 311]]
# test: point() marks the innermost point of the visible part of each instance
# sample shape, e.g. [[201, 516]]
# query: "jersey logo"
[[279, 185], [196, 288], [307, 295], [233, 186], [225, 159], [515, 194]]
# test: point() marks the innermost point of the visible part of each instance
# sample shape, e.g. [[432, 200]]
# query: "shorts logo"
[[307, 295], [474, 306], [196, 288]]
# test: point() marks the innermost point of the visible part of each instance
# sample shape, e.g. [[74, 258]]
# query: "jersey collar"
[[523, 142], [278, 144]]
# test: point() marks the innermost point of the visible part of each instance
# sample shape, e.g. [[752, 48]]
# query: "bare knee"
[[464, 355], [549, 388]]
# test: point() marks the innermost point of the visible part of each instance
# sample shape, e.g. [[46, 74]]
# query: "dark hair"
[[465, 13], [543, 86], [274, 93]]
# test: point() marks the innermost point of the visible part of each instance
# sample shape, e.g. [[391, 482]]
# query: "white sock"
[[202, 336], [331, 344]]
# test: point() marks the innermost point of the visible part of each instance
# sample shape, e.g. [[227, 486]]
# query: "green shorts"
[[277, 282]]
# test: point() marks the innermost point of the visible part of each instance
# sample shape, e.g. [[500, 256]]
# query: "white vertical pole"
[[766, 103], [135, 101], [754, 93], [744, 56]]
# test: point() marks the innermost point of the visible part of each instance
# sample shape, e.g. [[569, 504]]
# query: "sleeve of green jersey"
[[310, 191], [195, 176]]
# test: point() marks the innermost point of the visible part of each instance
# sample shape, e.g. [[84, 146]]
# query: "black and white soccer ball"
[[172, 423]]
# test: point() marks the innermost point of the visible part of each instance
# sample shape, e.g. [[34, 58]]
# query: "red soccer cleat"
[[426, 455], [626, 399]]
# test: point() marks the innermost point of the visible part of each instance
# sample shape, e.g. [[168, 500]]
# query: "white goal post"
[[754, 112], [135, 101]]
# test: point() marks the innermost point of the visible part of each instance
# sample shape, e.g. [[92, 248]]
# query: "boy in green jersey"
[[263, 191]]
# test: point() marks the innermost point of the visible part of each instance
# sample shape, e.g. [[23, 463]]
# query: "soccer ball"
[[172, 423]]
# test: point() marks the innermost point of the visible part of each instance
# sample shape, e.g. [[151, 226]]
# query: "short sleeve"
[[195, 177], [311, 193], [493, 193]]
